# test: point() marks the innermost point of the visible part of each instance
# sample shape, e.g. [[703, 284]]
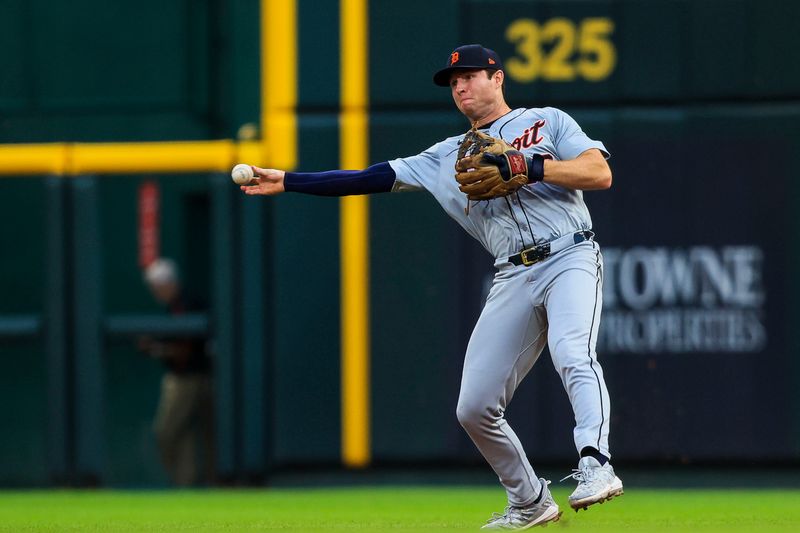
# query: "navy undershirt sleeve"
[[377, 178]]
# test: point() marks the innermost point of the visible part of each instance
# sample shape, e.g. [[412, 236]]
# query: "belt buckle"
[[539, 252], [524, 256]]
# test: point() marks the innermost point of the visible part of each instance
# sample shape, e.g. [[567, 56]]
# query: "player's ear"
[[499, 76]]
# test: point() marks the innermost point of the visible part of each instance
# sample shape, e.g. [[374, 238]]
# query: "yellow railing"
[[70, 159], [279, 80], [354, 238]]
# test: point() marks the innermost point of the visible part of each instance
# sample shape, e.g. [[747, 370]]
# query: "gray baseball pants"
[[558, 302]]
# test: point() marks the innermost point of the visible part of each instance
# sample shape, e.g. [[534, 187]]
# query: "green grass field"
[[391, 509]]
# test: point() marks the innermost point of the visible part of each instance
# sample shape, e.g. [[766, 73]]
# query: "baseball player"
[[514, 182]]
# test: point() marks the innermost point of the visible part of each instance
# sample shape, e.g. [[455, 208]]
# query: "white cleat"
[[596, 484], [538, 514]]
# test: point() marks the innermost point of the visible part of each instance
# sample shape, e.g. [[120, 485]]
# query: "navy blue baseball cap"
[[467, 57]]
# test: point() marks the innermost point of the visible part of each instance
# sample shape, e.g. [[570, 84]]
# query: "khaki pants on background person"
[[184, 423]]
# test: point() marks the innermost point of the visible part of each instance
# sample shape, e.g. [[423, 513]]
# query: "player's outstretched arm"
[[269, 182], [589, 171], [266, 181]]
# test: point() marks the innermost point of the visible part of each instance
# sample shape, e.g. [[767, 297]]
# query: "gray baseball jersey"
[[541, 211], [556, 301]]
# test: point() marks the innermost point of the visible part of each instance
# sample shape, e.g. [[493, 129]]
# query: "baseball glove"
[[490, 168]]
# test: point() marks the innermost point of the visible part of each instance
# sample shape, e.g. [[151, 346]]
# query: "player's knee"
[[472, 414], [468, 418], [568, 356]]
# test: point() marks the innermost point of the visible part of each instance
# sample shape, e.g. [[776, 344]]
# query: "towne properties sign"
[[683, 300]]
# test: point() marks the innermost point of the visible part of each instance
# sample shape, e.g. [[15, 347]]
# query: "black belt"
[[534, 254]]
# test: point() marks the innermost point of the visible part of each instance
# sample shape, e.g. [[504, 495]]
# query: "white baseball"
[[242, 174]]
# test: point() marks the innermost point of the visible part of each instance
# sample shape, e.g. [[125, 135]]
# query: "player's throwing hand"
[[267, 182]]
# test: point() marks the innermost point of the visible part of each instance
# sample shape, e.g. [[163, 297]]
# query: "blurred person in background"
[[184, 418]]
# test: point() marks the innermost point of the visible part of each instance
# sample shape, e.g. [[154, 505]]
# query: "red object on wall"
[[149, 222]]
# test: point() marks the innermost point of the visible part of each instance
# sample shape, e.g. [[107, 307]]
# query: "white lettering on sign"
[[698, 299]]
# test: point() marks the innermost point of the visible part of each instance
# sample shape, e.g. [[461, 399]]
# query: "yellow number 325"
[[548, 51]]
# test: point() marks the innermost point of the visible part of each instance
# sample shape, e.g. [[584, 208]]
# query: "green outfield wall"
[[698, 103]]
